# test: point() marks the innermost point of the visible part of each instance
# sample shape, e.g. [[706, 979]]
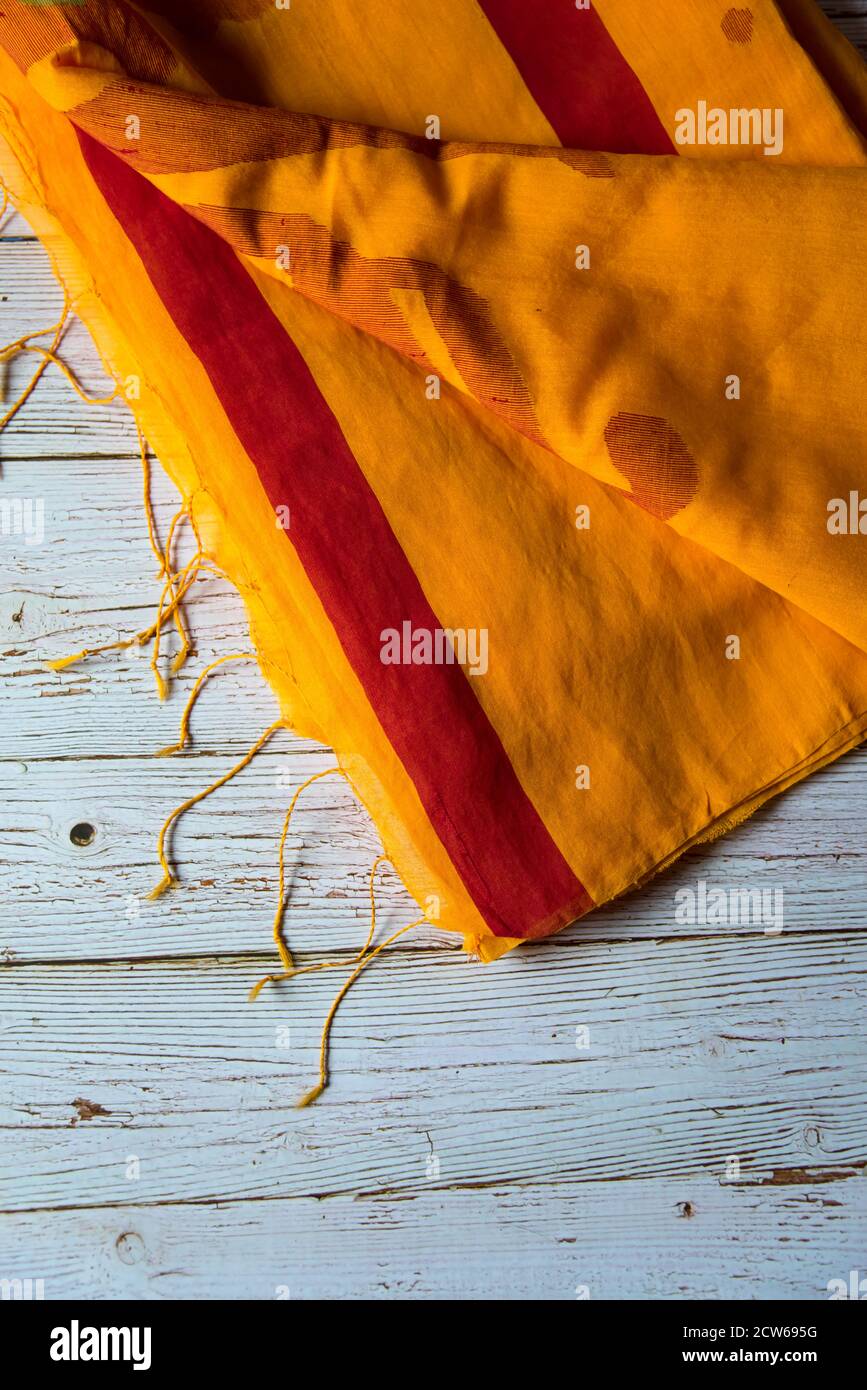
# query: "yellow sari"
[[511, 361]]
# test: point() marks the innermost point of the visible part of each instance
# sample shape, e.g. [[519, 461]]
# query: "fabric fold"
[[524, 457], [462, 257]]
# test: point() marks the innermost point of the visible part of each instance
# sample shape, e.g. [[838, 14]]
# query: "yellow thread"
[[290, 968], [191, 569], [50, 356], [24, 343], [380, 859], [360, 960], [168, 877], [317, 1090], [188, 708], [180, 658], [162, 689], [169, 586], [173, 525], [180, 626], [11, 348], [62, 662], [148, 505], [9, 351], [187, 579], [282, 948], [139, 639], [193, 526], [186, 644]]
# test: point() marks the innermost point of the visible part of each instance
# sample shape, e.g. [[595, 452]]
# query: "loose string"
[[183, 736], [148, 503], [11, 349], [181, 655], [286, 955], [179, 585], [277, 929], [23, 344], [316, 1091], [360, 960], [139, 639], [171, 578], [168, 878], [163, 612]]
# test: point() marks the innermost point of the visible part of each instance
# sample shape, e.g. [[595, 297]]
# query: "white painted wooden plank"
[[691, 1237], [54, 421], [693, 1053], [64, 901]]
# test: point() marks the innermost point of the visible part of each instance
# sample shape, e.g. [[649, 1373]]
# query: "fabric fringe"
[[177, 583]]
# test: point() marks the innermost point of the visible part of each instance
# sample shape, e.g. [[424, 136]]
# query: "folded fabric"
[[511, 361]]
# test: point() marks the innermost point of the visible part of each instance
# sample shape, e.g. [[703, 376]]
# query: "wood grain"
[[639, 1060], [696, 1237]]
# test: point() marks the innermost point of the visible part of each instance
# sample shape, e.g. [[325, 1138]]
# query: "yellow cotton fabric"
[[611, 643]]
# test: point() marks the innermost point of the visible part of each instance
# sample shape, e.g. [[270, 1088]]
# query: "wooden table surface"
[[636, 1109]]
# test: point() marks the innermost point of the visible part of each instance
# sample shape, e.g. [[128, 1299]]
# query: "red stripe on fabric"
[[578, 77], [498, 843]]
